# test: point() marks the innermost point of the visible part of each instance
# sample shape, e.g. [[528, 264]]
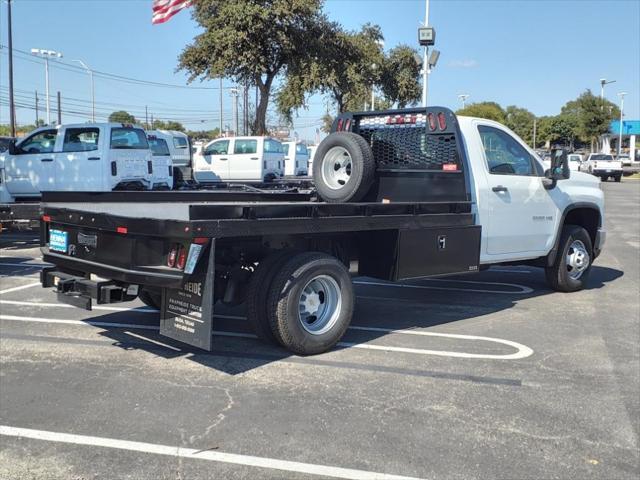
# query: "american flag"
[[163, 10]]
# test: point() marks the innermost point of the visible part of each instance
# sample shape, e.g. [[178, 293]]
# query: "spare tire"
[[343, 168]]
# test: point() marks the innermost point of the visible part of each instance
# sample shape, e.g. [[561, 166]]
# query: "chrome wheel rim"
[[336, 168], [577, 259], [319, 305]]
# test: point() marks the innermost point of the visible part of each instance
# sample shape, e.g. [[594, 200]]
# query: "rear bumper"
[[607, 171], [77, 266], [10, 212]]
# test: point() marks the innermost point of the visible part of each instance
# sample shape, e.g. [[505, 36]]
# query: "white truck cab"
[[296, 159], [240, 159], [89, 157]]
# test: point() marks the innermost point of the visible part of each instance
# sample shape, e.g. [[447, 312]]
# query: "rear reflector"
[[442, 121], [122, 229], [46, 218], [200, 240]]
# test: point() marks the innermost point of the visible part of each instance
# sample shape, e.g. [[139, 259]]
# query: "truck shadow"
[[380, 307]]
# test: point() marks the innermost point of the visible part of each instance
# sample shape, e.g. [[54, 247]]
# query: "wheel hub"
[[336, 168], [319, 304], [577, 260]]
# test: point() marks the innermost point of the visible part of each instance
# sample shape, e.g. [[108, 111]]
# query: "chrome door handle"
[[224, 159], [500, 188], [94, 158], [46, 159], [255, 158]]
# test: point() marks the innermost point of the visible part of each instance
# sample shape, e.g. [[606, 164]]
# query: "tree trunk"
[[263, 104]]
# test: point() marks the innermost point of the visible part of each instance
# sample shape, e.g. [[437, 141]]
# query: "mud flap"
[[187, 313]]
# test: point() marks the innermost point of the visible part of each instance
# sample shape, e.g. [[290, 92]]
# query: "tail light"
[[432, 121], [150, 166], [170, 171], [339, 128], [442, 121], [181, 261], [347, 125], [171, 259], [114, 168]]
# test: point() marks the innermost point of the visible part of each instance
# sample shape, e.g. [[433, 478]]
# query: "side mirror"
[[559, 165], [11, 148]]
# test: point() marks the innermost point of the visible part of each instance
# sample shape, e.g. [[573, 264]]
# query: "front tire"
[[310, 303], [572, 266]]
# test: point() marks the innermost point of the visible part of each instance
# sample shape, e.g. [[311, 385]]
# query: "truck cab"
[[296, 159], [179, 147]]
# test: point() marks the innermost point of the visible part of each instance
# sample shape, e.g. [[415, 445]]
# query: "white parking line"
[[191, 453], [21, 287], [522, 289], [522, 351]]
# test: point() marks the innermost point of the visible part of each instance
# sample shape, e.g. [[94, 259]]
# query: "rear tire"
[[257, 292], [572, 265], [310, 303], [618, 178], [151, 297], [343, 168]]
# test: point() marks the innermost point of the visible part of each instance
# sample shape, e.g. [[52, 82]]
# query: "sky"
[[534, 54]]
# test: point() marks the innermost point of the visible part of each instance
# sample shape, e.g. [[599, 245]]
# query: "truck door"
[[31, 169], [79, 165], [244, 164], [216, 155], [521, 215]]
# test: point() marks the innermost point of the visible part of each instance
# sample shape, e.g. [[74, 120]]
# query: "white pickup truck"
[[401, 194], [602, 165]]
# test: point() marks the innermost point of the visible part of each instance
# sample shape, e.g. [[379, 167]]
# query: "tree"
[[559, 129], [520, 120], [346, 66], [488, 110], [168, 125], [591, 115], [400, 76], [252, 42], [122, 117]]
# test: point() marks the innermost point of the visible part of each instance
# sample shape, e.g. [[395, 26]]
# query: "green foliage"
[[488, 110], [400, 76], [558, 130], [327, 121], [591, 115], [520, 120], [204, 134], [252, 42], [122, 117], [169, 125]]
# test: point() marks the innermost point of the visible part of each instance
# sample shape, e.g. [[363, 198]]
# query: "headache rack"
[[419, 152]]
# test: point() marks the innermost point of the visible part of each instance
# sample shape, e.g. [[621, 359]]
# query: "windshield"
[[180, 142], [159, 147], [128, 138], [300, 148], [574, 158], [602, 157]]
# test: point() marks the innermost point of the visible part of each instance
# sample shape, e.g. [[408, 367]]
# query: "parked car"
[[602, 165], [179, 148], [296, 159], [162, 162], [442, 195], [575, 160], [240, 159]]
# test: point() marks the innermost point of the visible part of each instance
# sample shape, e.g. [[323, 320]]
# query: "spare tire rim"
[[336, 168], [320, 304], [577, 259]]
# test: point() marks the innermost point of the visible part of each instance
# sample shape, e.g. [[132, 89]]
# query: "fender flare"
[[551, 256]]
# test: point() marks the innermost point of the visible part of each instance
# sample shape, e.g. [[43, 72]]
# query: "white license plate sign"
[[58, 240]]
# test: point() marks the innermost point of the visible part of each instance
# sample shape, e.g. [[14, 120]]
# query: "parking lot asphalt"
[[485, 376]]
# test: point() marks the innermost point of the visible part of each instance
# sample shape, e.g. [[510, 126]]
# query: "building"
[[630, 131]]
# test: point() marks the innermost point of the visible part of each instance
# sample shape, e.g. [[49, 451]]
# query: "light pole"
[[373, 84], [463, 97], [93, 97], [621, 95], [46, 54], [603, 82], [425, 63], [234, 93]]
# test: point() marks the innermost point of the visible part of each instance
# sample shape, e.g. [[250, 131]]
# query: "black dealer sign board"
[[187, 313]]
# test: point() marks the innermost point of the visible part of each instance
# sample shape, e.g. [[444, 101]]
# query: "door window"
[[504, 154], [41, 142], [129, 138], [245, 146], [272, 146], [180, 142], [80, 139], [159, 147], [218, 148]]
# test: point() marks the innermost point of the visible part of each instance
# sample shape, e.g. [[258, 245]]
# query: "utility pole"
[[59, 110], [621, 95], [12, 105], [425, 61], [234, 94], [535, 121], [245, 102], [37, 110], [220, 133], [146, 117]]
